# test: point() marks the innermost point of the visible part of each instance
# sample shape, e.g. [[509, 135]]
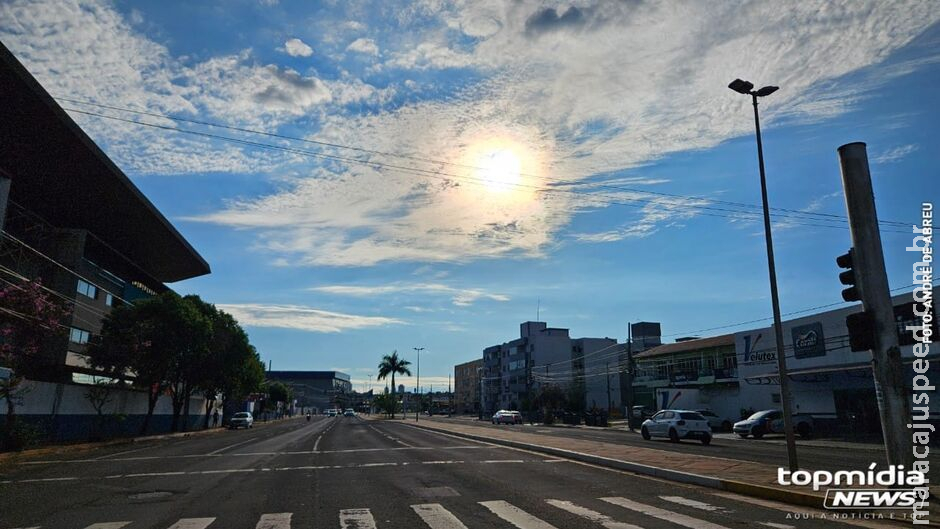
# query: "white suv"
[[676, 425]]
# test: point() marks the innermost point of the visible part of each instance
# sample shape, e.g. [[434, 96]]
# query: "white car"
[[676, 425], [716, 422], [507, 417], [242, 419]]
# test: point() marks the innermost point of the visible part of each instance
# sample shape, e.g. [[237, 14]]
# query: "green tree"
[[392, 365], [158, 343], [232, 368], [30, 324]]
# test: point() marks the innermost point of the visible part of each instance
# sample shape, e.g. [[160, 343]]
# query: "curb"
[[739, 487]]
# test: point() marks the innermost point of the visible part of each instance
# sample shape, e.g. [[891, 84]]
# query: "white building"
[[515, 372]]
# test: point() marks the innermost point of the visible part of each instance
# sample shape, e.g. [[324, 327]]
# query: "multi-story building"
[[317, 389], [515, 372], [704, 370], [73, 220], [467, 386]]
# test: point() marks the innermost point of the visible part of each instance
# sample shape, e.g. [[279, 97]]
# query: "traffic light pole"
[[775, 300], [872, 284]]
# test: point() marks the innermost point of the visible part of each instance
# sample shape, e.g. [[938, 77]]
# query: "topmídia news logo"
[[907, 487]]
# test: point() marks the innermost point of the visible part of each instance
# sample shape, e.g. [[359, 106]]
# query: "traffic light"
[[847, 260], [861, 331]]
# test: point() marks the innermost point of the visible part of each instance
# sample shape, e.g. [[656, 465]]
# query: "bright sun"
[[499, 169]]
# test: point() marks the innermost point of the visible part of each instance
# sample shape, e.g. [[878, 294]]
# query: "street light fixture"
[[747, 88], [418, 383]]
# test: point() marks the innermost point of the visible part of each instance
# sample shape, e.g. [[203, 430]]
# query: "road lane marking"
[[515, 515], [663, 514], [777, 525], [192, 523], [279, 520], [122, 453], [437, 517], [504, 461], [356, 519], [107, 525], [594, 516], [37, 480], [316, 444], [694, 504], [224, 448], [248, 454]]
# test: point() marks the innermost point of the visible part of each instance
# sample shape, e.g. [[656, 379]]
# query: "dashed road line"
[[356, 519], [108, 525], [515, 515], [437, 517], [192, 523], [663, 514], [224, 448], [606, 521], [274, 521], [695, 504]]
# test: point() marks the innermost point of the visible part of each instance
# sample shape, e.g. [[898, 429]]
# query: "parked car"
[[771, 421], [677, 425], [349, 412], [638, 414], [242, 419], [716, 422], [507, 417]]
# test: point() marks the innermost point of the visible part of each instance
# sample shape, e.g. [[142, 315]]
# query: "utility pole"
[[872, 284], [609, 404], [629, 377], [418, 382]]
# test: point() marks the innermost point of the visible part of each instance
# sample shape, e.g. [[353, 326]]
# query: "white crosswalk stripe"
[[695, 504], [279, 520], [356, 519], [437, 517], [192, 523], [663, 514], [107, 525], [515, 515], [594, 516]]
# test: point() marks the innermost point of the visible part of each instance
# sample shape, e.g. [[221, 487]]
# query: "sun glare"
[[499, 169]]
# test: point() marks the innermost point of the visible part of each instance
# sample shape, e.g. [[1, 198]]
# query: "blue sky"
[[487, 158]]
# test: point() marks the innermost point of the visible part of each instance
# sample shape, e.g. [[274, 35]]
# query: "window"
[[108, 299], [79, 336], [87, 289]]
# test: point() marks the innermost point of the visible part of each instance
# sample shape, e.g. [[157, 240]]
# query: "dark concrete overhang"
[[59, 173]]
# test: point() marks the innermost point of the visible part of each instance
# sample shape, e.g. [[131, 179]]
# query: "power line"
[[839, 218], [736, 214]]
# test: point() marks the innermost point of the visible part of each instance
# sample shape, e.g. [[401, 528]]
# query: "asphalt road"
[[771, 449], [354, 473]]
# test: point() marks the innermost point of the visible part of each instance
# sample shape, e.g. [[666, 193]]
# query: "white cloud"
[[459, 296], [297, 48], [363, 45], [429, 55], [895, 154], [301, 318]]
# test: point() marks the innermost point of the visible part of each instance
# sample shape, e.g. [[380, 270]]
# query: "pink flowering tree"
[[31, 319]]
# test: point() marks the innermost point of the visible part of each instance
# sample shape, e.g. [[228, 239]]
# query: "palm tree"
[[393, 365]]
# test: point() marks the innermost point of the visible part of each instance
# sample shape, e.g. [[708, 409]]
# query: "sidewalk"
[[7, 457], [732, 475]]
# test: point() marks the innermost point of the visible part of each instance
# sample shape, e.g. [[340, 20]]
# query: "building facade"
[[467, 386], [317, 389], [75, 222], [515, 373]]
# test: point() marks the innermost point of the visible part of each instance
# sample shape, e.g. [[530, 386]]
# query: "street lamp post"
[[746, 88], [418, 384]]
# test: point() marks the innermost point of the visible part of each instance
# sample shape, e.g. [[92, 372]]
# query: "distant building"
[[467, 386], [587, 370], [317, 389]]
